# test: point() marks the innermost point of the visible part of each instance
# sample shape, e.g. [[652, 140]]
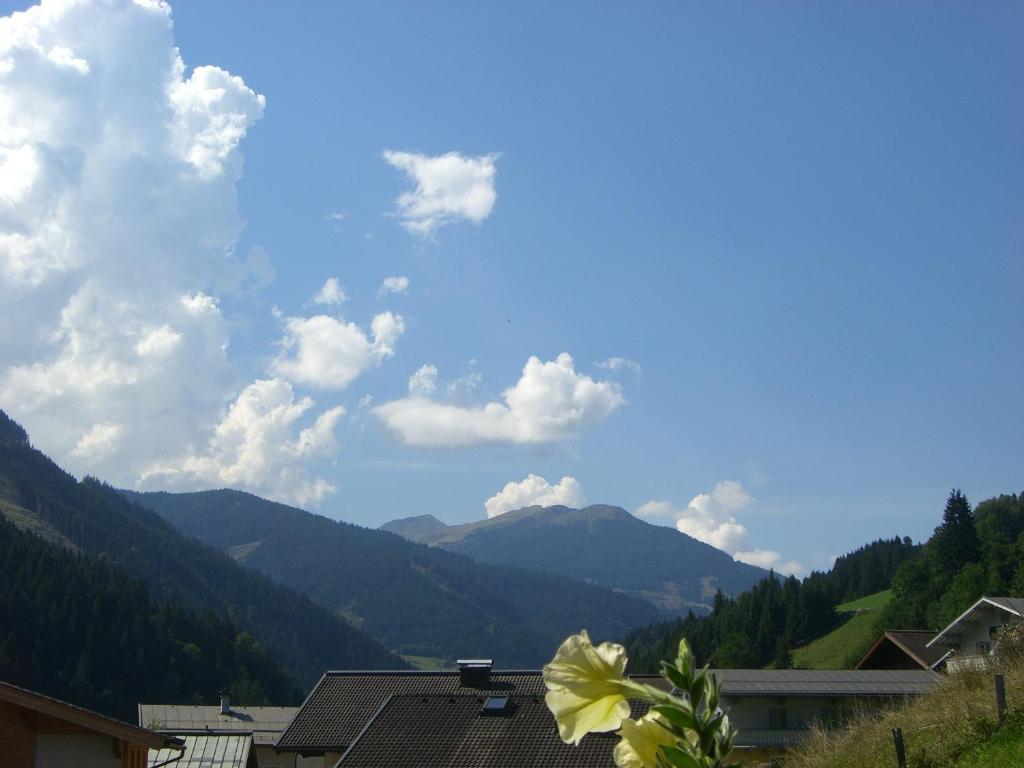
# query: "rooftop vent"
[[225, 703], [475, 673], [494, 705]]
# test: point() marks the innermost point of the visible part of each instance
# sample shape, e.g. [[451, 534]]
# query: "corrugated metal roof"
[[183, 717], [1015, 604], [826, 682], [208, 751]]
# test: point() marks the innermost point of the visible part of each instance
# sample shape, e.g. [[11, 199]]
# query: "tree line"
[[84, 631], [761, 626], [973, 552]]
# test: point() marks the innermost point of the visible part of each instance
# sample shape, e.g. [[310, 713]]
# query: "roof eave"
[[942, 633]]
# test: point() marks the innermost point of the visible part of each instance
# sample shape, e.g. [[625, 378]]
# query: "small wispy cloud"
[[394, 284], [621, 364], [331, 293]]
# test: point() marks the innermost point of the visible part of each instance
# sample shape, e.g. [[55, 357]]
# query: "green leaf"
[[676, 716], [674, 676], [677, 758]]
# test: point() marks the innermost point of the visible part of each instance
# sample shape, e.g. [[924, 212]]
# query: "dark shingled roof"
[[826, 682], [342, 703], [412, 731]]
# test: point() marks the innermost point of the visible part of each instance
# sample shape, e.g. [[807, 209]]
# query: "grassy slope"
[[869, 603], [951, 727], [834, 650]]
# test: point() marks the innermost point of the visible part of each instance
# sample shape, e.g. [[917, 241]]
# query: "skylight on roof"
[[494, 705]]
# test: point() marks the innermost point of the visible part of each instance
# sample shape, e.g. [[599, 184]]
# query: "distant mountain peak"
[[601, 544]]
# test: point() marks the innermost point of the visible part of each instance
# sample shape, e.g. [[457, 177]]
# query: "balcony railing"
[[974, 663], [780, 739]]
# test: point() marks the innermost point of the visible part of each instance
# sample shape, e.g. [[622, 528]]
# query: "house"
[[343, 703], [258, 727], [904, 649], [774, 708], [479, 717], [38, 731], [470, 731], [969, 635]]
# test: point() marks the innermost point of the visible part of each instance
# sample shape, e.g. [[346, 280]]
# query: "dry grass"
[[937, 728]]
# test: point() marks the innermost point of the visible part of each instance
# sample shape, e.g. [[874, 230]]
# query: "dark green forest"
[[973, 552], [760, 626], [100, 522], [84, 631]]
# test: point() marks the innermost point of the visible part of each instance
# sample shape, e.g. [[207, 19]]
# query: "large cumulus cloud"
[[118, 227]]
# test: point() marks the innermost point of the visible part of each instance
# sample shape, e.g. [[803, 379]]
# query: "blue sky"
[[801, 221]]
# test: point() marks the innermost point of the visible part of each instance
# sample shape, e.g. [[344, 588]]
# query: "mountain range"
[[95, 521], [598, 544], [430, 605]]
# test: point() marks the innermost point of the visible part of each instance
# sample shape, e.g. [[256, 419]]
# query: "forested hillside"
[[96, 520], [599, 544], [972, 553], [420, 600], [761, 626], [84, 631]]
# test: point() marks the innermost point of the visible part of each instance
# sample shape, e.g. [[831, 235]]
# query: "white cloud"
[[119, 224], [394, 284], [423, 382], [255, 445], [535, 491], [98, 442], [550, 402], [621, 363], [329, 353], [158, 342], [767, 558], [214, 109], [449, 188], [331, 293], [711, 518]]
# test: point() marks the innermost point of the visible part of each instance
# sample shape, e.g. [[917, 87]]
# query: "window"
[[983, 647], [777, 720]]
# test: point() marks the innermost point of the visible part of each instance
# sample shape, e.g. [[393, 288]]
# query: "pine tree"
[[956, 540]]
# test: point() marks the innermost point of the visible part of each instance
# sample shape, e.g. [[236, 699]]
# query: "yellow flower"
[[586, 687], [638, 747]]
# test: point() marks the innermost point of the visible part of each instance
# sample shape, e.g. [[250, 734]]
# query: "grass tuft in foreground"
[[954, 725]]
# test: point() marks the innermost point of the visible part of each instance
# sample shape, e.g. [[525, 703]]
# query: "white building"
[[969, 636], [259, 725]]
